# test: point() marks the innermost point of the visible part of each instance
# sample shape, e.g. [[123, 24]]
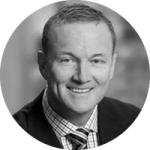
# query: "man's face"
[[80, 65]]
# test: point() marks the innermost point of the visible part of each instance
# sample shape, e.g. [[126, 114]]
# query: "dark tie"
[[78, 139]]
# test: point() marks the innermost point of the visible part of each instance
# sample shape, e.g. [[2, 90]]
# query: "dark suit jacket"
[[114, 117]]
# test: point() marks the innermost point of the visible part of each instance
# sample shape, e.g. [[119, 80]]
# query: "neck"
[[78, 119]]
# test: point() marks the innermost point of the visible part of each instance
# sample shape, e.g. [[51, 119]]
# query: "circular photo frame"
[[75, 71]]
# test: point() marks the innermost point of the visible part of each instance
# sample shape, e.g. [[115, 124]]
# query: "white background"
[[12, 13]]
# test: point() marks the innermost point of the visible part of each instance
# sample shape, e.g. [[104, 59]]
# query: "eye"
[[97, 61], [66, 61]]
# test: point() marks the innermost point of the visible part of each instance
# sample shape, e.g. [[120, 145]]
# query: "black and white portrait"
[[75, 75]]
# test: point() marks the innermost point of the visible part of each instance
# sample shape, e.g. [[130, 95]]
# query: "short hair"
[[74, 13]]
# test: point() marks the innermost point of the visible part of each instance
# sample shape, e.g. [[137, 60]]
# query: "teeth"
[[79, 90]]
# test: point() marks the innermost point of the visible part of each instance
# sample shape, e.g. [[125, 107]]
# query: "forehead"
[[91, 37]]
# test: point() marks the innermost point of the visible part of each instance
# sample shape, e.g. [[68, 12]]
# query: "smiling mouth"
[[79, 90]]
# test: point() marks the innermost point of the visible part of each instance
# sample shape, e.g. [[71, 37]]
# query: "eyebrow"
[[98, 55], [66, 53]]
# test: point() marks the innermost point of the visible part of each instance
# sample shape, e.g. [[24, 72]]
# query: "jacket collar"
[[106, 124]]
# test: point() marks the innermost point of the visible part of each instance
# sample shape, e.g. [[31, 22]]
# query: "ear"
[[42, 61], [114, 57]]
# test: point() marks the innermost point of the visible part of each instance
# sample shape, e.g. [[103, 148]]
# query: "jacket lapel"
[[108, 125], [40, 127]]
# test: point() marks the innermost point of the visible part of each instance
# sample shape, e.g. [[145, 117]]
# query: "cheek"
[[101, 76], [61, 75]]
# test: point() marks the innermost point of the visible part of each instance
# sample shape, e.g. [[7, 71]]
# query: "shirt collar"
[[60, 125]]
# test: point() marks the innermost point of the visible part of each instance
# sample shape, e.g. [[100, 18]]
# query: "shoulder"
[[120, 111], [114, 117], [28, 112], [117, 104]]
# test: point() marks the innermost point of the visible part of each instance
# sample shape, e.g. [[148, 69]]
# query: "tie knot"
[[79, 137], [82, 132]]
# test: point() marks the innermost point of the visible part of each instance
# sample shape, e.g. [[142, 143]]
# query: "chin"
[[81, 108]]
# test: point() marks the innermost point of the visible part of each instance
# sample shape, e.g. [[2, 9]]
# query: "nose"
[[82, 74]]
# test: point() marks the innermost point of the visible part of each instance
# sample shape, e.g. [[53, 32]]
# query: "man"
[[78, 61]]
